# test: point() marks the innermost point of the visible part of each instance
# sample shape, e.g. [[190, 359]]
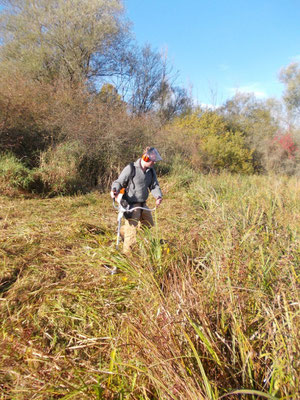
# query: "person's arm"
[[121, 182], [155, 189]]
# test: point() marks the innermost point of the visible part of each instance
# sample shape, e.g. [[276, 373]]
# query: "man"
[[138, 179]]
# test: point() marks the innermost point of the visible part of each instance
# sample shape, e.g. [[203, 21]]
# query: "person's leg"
[[146, 218], [122, 232], [130, 231]]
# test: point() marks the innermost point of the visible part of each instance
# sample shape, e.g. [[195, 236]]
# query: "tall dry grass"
[[211, 310]]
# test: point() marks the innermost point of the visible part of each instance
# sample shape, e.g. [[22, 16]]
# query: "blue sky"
[[220, 46]]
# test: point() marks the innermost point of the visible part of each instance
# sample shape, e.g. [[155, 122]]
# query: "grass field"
[[210, 311]]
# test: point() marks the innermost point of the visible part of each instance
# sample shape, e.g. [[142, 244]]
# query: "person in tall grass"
[[138, 179]]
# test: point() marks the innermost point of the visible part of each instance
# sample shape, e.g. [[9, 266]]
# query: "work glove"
[[158, 201], [114, 194]]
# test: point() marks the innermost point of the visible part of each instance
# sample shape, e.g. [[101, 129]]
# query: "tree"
[[172, 101], [76, 39], [290, 76], [255, 119], [109, 95], [152, 85], [147, 74]]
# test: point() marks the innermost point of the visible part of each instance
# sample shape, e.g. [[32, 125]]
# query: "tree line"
[[79, 98]]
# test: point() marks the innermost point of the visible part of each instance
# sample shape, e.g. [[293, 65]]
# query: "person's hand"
[[158, 201], [113, 195]]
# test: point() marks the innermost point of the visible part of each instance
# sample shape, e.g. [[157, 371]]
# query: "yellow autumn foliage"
[[212, 145]]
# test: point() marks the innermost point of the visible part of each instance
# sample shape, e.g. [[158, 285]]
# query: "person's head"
[[150, 157]]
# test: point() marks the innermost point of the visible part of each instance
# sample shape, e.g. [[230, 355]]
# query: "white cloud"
[[254, 88], [206, 106]]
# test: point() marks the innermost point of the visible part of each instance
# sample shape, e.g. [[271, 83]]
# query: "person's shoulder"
[[127, 169], [137, 163]]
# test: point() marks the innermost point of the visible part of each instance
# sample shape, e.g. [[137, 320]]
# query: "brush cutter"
[[123, 207]]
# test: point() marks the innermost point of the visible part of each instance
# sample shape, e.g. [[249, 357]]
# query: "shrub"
[[60, 169], [14, 173], [228, 152], [205, 141], [40, 118], [283, 155], [25, 108]]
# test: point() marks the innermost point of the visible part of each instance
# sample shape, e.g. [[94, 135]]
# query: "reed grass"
[[209, 312]]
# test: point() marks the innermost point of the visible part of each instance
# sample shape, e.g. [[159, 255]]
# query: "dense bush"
[[205, 140], [59, 169], [68, 133], [284, 154], [14, 173], [25, 106], [227, 151]]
